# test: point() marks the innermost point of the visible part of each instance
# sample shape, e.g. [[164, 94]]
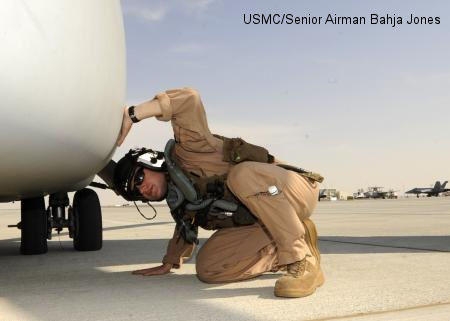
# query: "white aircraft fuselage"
[[62, 90]]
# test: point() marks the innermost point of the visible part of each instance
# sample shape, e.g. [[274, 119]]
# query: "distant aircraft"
[[375, 192], [434, 191], [391, 194], [359, 194], [63, 90]]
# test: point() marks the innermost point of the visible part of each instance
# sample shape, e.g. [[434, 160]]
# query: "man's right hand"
[[157, 270]]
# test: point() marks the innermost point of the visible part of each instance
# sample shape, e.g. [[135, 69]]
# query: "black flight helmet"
[[128, 168]]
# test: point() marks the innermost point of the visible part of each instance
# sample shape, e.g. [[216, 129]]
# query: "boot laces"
[[297, 268]]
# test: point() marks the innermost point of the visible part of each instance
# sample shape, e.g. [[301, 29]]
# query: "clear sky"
[[363, 105]]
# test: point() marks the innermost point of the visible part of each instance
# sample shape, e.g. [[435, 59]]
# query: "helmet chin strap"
[[147, 218]]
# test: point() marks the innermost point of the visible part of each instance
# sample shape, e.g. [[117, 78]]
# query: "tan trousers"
[[240, 253]]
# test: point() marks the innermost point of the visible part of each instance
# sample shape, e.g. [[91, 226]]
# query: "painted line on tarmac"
[[106, 229], [363, 314], [388, 246]]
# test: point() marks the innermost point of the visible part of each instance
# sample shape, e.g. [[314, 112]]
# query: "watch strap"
[[132, 115]]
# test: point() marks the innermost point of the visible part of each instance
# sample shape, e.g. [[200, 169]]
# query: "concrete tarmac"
[[382, 259]]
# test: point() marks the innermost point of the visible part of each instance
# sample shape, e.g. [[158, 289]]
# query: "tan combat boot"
[[301, 279]]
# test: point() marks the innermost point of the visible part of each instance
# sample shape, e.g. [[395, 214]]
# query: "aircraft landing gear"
[[56, 213], [84, 221], [87, 218], [84, 218], [33, 226]]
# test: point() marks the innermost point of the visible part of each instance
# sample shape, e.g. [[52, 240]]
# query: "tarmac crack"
[[363, 314], [386, 246]]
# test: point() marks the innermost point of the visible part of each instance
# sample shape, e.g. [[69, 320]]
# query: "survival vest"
[[206, 201]]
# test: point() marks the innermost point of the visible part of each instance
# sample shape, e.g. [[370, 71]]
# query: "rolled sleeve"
[[184, 108], [166, 108], [177, 250]]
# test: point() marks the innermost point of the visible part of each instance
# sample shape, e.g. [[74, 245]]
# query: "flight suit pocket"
[[236, 150]]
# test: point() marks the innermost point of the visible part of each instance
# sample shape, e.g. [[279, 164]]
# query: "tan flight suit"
[[243, 252]]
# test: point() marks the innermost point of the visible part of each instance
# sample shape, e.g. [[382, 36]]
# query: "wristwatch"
[[132, 115]]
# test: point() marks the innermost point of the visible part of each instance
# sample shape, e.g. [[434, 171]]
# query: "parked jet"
[[391, 194], [375, 192], [430, 191], [359, 194], [63, 90]]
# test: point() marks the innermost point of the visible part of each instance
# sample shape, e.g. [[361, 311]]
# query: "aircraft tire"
[[33, 226], [88, 231]]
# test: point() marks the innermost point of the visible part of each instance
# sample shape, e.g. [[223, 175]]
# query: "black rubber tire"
[[88, 231], [33, 226]]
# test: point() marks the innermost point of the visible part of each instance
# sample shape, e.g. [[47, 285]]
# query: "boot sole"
[[295, 294]]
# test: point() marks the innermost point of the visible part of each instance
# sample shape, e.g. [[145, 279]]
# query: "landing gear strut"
[[56, 214], [84, 221]]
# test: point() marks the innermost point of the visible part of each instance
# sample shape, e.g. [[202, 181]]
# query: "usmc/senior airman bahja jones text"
[[392, 20]]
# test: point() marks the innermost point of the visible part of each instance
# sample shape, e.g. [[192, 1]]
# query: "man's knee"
[[203, 268], [203, 276], [200, 266]]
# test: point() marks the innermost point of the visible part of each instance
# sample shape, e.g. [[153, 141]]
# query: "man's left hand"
[[126, 126]]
